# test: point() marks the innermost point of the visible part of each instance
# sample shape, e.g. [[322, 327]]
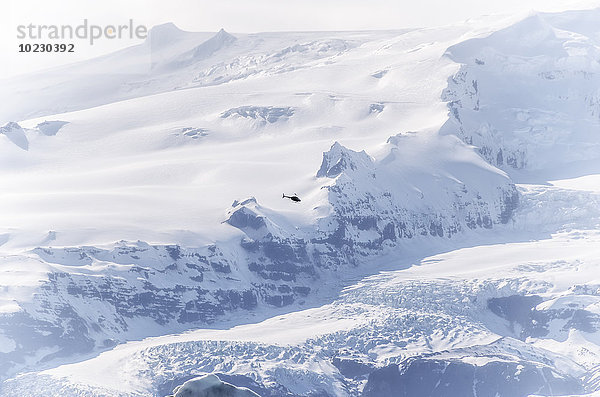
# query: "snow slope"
[[545, 69], [147, 204]]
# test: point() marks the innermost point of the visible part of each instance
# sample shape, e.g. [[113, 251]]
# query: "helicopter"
[[294, 198]]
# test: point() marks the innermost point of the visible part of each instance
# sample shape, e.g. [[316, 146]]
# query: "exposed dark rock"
[[264, 114], [350, 367], [521, 310], [451, 378]]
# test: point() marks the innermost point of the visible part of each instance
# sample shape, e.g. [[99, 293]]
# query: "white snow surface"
[[102, 177], [96, 164]]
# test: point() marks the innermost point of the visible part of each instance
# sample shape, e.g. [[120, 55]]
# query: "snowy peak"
[[223, 37], [426, 185], [246, 216], [219, 41], [10, 126], [256, 221], [339, 160], [164, 35], [527, 96], [15, 134]]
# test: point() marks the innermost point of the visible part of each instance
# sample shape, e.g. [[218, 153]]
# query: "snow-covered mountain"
[[93, 297], [145, 241], [545, 70]]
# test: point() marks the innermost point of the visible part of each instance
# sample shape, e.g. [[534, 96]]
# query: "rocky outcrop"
[[391, 199], [444, 378], [93, 297], [261, 115], [15, 134], [527, 319], [210, 386]]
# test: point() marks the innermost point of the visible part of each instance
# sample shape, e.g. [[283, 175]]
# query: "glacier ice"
[[418, 263]]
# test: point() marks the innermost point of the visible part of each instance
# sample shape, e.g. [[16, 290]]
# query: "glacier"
[[447, 241]]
